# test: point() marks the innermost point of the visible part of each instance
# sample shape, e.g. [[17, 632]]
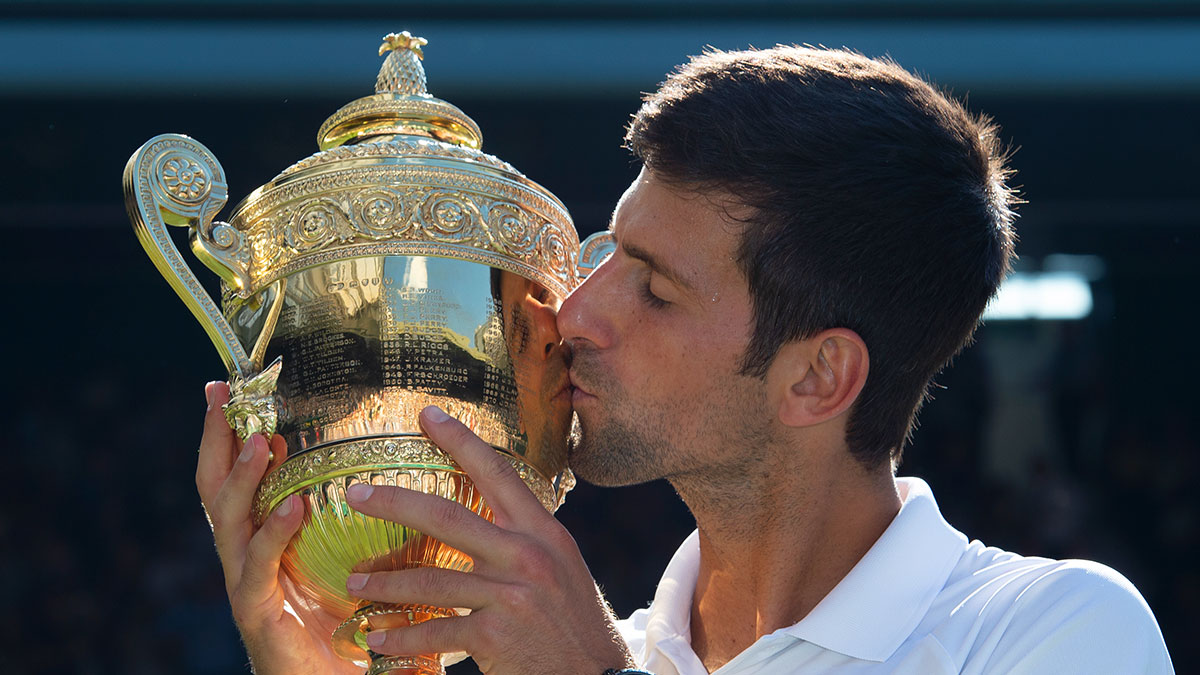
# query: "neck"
[[772, 548]]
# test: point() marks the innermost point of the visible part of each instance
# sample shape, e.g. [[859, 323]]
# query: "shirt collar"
[[875, 607], [871, 611], [671, 612]]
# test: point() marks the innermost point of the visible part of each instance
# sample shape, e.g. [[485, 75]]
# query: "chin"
[[607, 464], [613, 452]]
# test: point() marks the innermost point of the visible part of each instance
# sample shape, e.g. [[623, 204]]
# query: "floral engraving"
[[380, 212], [184, 179], [556, 256], [511, 230], [316, 225], [449, 217]]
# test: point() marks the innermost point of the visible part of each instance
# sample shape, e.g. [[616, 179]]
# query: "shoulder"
[[1071, 592], [1034, 615]]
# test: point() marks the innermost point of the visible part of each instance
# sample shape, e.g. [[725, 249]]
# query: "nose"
[[545, 330], [584, 315]]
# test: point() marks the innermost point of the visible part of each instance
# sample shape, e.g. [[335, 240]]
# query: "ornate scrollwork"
[[407, 196], [404, 209], [315, 225], [225, 244], [510, 229], [173, 180], [555, 253], [380, 212], [415, 147], [450, 217], [226, 236]]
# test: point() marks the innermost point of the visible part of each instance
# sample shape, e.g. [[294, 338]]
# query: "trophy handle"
[[593, 252], [173, 180]]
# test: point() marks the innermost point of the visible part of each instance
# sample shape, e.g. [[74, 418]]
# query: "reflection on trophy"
[[397, 268]]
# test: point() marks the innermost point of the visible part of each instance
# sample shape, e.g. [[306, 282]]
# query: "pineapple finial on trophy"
[[402, 72], [400, 106], [402, 41]]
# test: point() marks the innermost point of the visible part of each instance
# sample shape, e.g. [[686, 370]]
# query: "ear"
[[817, 379]]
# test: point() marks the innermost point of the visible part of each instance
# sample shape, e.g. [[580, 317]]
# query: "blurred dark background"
[[1069, 430]]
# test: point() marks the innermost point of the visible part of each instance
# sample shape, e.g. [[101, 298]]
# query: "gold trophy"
[[397, 268]]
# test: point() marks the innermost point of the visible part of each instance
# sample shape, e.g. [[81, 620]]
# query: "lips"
[[565, 391], [574, 382], [579, 395]]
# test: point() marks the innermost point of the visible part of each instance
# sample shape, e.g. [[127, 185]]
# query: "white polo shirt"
[[925, 601]]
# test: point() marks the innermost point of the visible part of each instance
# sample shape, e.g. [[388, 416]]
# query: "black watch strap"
[[626, 671]]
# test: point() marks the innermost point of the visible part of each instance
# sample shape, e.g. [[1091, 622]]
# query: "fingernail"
[[252, 444], [208, 395], [286, 507], [375, 638], [356, 581], [359, 492], [435, 414]]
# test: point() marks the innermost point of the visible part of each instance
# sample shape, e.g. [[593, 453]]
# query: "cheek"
[[668, 355], [668, 366]]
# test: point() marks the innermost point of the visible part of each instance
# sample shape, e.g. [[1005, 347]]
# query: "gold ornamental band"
[[412, 147], [367, 114], [382, 457], [404, 197], [386, 664]]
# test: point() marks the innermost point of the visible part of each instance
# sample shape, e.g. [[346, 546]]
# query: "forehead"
[[697, 234]]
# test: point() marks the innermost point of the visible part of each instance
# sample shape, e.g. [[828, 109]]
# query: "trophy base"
[[336, 540], [350, 639]]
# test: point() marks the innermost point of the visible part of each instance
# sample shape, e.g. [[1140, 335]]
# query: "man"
[[813, 237]]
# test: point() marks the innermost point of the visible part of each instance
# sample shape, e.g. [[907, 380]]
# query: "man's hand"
[[534, 605], [283, 632]]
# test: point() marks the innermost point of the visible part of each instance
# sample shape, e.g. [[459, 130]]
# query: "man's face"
[[657, 334], [539, 366]]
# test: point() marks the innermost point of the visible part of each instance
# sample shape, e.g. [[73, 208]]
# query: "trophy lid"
[[400, 172], [401, 104]]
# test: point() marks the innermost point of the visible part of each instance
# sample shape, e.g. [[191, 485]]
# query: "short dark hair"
[[878, 204]]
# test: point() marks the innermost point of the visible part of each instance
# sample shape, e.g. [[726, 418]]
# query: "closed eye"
[[650, 298]]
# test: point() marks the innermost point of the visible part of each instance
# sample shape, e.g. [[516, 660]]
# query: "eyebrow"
[[657, 265]]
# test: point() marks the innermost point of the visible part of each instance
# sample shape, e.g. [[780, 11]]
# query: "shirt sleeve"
[[1079, 617]]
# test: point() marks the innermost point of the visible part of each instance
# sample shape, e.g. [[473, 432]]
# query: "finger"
[[278, 452], [436, 516], [424, 586], [230, 509], [448, 634], [260, 572], [510, 499], [218, 446]]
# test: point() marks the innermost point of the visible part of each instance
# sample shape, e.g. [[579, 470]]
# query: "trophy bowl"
[[398, 267]]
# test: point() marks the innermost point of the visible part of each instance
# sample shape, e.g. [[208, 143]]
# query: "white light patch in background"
[[1061, 295]]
